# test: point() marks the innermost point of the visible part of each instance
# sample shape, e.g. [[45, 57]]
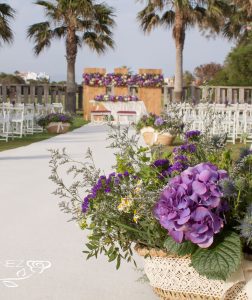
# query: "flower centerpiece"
[[188, 212], [112, 98], [56, 122], [161, 130]]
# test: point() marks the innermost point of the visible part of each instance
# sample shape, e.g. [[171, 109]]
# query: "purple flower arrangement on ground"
[[164, 123], [193, 200], [54, 117], [112, 98], [121, 80]]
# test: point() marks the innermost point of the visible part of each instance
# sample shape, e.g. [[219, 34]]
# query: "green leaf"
[[221, 259], [118, 262], [113, 256], [185, 248]]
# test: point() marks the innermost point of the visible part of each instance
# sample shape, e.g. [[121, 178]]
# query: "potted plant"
[[187, 212], [159, 130], [56, 122]]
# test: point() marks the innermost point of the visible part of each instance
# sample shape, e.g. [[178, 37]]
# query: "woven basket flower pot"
[[148, 135], [165, 139], [172, 278], [58, 127]]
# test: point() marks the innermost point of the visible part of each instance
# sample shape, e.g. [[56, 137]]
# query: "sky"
[[133, 48]]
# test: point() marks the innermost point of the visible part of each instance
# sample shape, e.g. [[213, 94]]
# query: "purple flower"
[[85, 204], [192, 134], [159, 121], [191, 206], [186, 148], [177, 167], [161, 163]]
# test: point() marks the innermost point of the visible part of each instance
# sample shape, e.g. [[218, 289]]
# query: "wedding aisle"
[[41, 253]]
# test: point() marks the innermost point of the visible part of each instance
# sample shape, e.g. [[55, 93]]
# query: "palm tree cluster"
[[88, 22]]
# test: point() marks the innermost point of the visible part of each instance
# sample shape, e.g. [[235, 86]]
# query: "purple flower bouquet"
[[190, 205]]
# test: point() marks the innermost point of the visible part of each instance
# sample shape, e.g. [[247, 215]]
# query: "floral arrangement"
[[194, 200], [54, 117], [117, 79], [147, 80], [166, 123], [120, 80], [94, 79], [113, 98]]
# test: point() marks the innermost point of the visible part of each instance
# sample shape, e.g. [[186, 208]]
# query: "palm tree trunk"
[[71, 87], [179, 36], [71, 53]]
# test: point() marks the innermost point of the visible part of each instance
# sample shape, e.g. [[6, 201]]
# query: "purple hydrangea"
[[191, 206]]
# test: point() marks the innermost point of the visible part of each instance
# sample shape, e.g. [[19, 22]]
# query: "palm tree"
[[79, 22], [239, 25], [6, 13], [181, 15], [245, 5]]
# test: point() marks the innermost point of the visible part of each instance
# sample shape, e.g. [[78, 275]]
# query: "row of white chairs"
[[233, 120], [21, 119]]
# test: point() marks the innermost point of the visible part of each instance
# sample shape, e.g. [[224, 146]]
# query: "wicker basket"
[[165, 139], [58, 127], [152, 137], [172, 278], [148, 138]]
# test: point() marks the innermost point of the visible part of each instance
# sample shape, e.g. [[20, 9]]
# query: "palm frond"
[[42, 35], [168, 18], [97, 42], [59, 32], [6, 13], [46, 4], [148, 21]]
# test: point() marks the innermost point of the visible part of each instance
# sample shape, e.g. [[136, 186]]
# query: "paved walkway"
[[40, 253]]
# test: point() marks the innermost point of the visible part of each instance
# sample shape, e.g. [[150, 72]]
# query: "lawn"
[[29, 139]]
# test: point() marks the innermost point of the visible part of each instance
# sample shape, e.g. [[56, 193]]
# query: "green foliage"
[[185, 248], [238, 68], [221, 259], [10, 79]]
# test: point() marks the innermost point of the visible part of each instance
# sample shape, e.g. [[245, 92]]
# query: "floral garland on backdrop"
[[121, 80], [112, 98]]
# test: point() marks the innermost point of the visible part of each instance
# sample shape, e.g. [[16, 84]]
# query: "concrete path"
[[40, 252]]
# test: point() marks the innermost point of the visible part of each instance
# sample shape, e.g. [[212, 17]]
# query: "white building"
[[33, 76]]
